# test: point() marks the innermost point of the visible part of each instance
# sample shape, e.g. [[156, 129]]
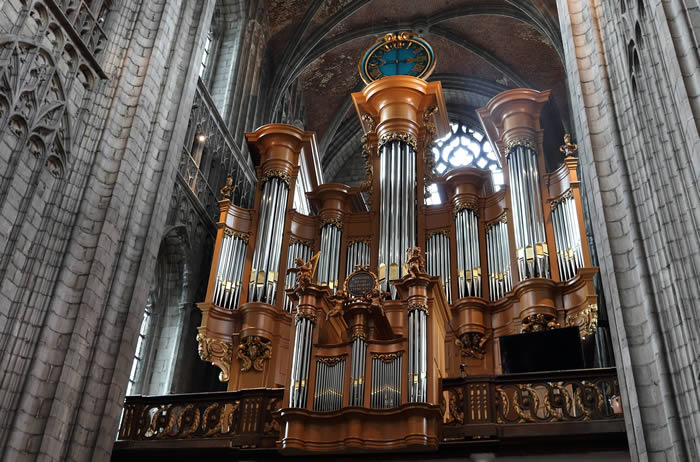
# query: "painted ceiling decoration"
[[481, 48]]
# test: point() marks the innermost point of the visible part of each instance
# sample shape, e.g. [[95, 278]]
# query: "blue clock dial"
[[400, 54]]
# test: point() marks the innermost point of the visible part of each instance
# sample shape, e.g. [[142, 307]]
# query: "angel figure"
[[415, 261], [305, 271], [338, 302]]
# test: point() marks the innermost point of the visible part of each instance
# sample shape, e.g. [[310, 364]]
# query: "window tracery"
[[464, 147]]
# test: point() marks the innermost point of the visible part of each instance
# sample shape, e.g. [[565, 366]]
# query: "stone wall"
[[633, 82]]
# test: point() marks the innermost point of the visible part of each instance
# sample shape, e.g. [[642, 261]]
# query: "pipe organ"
[[364, 324]]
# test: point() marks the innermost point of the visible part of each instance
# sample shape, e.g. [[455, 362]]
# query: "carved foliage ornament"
[[366, 185], [335, 221], [472, 344], [387, 357], [281, 174], [398, 136], [539, 322], [431, 139], [295, 240], [253, 352], [566, 196], [217, 352], [468, 206], [331, 361], [586, 320], [418, 307], [242, 236], [525, 142]]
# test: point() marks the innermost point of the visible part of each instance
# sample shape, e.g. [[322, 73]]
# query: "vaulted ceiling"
[[482, 48]]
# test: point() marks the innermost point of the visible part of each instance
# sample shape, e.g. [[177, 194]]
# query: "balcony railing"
[[533, 404], [243, 418], [550, 405]]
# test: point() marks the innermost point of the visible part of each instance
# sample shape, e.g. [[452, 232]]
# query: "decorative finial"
[[568, 148], [228, 189]]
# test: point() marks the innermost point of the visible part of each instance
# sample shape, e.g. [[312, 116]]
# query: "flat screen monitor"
[[550, 350]]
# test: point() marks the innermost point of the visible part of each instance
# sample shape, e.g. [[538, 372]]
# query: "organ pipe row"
[[229, 271], [397, 210], [438, 259], [300, 361], [330, 256], [568, 237], [417, 354], [296, 250], [266, 258], [357, 372], [498, 255], [468, 257], [358, 254], [528, 219], [328, 394], [386, 382]]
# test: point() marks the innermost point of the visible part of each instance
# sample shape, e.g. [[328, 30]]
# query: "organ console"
[[359, 344]]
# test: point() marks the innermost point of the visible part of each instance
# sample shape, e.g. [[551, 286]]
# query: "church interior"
[[340, 229]]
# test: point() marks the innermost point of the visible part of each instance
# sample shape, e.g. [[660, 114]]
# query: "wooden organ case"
[[387, 301]]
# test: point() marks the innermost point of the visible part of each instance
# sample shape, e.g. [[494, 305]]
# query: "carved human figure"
[[415, 261]]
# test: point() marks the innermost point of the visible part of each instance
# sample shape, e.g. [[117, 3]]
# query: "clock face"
[[397, 54]]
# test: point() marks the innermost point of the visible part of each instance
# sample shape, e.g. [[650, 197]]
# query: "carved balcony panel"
[[244, 418]]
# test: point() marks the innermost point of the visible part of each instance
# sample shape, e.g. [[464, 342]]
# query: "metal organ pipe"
[[567, 235], [328, 392], [265, 268], [357, 372], [417, 354], [358, 254], [500, 281], [329, 258], [300, 362], [528, 218], [438, 259], [230, 269], [468, 257], [397, 214]]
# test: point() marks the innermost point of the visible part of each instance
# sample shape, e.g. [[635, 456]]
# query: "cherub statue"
[[339, 300], [228, 189], [305, 271], [415, 261]]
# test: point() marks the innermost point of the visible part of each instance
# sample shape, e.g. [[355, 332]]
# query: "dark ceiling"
[[482, 48]]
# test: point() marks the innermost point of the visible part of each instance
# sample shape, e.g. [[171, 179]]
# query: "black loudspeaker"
[[550, 350]]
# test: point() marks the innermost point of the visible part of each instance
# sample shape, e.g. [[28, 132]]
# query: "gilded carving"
[[364, 240], [281, 174], [366, 185], [304, 271], [444, 232], [253, 352], [539, 322], [428, 157], [419, 307], [231, 233], [586, 320], [335, 221], [524, 142], [305, 314], [472, 344], [566, 196], [228, 189], [331, 361], [398, 136], [387, 357], [217, 352], [295, 240], [465, 206], [369, 122], [568, 148], [415, 261]]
